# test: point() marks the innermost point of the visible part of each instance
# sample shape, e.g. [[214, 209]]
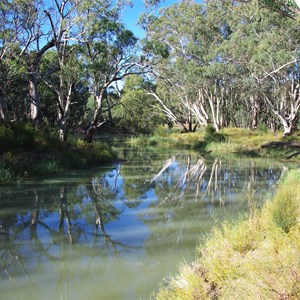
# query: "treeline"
[[73, 64]]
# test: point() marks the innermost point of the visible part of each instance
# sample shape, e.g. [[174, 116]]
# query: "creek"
[[115, 231]]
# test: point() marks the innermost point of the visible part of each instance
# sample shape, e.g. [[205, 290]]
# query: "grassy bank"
[[28, 152], [257, 258], [229, 141]]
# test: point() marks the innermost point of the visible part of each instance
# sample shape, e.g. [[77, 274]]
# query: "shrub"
[[210, 135], [153, 141], [47, 167], [284, 210], [17, 135], [262, 128], [6, 138], [24, 134], [162, 131], [5, 173]]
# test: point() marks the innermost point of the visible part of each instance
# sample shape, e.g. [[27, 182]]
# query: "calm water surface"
[[114, 232]]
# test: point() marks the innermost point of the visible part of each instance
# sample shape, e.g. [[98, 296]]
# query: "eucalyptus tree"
[[176, 90], [7, 38], [265, 47], [109, 53], [138, 112], [65, 19], [10, 47], [287, 8], [39, 43], [71, 22], [24, 41], [194, 72]]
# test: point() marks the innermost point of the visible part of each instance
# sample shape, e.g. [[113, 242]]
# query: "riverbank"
[[257, 258], [228, 142], [29, 153]]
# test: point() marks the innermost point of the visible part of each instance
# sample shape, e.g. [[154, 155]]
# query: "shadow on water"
[[114, 233]]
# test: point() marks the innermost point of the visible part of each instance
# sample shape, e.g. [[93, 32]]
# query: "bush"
[[6, 138], [17, 135], [5, 173], [24, 134], [211, 136], [162, 131], [40, 153], [47, 167], [262, 128], [285, 208]]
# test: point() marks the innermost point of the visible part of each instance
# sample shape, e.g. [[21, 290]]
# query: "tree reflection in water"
[[144, 212], [191, 190], [210, 181], [30, 235]]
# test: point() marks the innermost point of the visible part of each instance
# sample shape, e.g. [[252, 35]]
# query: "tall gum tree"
[[13, 43], [24, 42], [265, 47], [109, 53], [68, 21], [194, 70]]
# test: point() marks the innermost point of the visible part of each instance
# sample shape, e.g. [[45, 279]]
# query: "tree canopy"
[[228, 63]]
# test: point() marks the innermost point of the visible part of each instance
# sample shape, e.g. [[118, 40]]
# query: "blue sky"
[[131, 15]]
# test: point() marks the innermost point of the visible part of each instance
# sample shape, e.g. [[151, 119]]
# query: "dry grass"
[[258, 258]]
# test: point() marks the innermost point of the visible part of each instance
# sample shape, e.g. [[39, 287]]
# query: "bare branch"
[[278, 69]]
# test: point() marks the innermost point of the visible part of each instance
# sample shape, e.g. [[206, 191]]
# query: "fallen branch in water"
[[292, 145], [293, 155], [281, 144]]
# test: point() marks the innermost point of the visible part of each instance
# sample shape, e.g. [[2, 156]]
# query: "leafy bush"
[[5, 173], [17, 135], [285, 208], [262, 128], [24, 134], [46, 168], [40, 153], [153, 141], [162, 131], [211, 136], [6, 138]]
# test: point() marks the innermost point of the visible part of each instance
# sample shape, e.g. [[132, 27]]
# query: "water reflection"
[[212, 181], [129, 224]]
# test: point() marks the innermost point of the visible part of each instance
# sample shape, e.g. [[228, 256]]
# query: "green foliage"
[[210, 135], [262, 128], [46, 168], [17, 135], [5, 173], [40, 153], [285, 208], [96, 152], [138, 112], [157, 48], [163, 131]]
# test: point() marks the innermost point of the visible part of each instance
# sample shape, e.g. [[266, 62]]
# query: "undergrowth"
[[237, 142], [28, 152]]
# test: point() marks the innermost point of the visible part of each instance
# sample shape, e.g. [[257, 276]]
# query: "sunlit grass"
[[257, 258], [236, 141]]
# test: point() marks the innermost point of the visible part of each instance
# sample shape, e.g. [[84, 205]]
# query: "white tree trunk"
[[2, 105], [34, 98], [287, 118]]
